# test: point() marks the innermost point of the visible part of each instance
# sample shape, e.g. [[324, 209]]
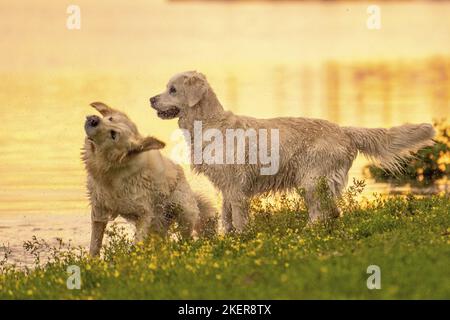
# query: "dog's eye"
[[110, 119], [172, 90], [113, 135]]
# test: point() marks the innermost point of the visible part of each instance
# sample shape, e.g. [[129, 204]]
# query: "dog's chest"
[[132, 199]]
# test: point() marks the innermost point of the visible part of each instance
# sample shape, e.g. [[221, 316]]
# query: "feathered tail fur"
[[391, 147]]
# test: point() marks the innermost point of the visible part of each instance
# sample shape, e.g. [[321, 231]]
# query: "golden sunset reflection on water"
[[263, 59]]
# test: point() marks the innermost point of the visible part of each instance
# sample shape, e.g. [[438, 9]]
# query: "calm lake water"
[[262, 59]]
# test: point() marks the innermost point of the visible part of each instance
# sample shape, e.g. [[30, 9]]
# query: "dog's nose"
[[93, 121], [153, 100]]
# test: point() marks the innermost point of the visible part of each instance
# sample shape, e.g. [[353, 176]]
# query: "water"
[[262, 59]]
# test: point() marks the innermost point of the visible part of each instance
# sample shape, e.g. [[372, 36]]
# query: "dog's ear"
[[146, 144], [103, 108], [195, 88], [151, 143]]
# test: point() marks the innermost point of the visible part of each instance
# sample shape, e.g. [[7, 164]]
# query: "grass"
[[276, 258]]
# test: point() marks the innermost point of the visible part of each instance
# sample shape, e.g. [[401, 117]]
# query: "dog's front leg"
[[97, 232], [227, 218], [240, 207]]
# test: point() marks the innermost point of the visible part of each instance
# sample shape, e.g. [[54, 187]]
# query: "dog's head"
[[114, 139], [184, 91]]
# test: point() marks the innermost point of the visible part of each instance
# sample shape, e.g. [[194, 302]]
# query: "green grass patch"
[[278, 257]]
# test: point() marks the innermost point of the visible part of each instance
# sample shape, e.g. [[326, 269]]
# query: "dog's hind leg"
[[336, 184], [142, 225], [186, 225], [312, 204], [320, 198]]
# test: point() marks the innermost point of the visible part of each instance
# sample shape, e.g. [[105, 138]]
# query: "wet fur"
[[131, 178], [309, 149]]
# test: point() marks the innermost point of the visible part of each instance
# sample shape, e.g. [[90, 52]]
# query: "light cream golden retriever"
[[128, 176], [308, 148]]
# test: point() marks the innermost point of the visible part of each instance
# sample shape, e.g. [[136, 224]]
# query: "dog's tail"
[[390, 148], [208, 222]]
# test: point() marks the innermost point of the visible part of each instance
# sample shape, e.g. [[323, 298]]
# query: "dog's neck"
[[206, 110], [103, 172]]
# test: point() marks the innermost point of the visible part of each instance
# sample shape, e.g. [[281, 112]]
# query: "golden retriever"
[[308, 148], [128, 176]]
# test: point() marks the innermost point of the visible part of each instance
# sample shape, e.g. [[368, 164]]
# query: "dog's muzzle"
[[153, 101], [91, 123], [170, 113]]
